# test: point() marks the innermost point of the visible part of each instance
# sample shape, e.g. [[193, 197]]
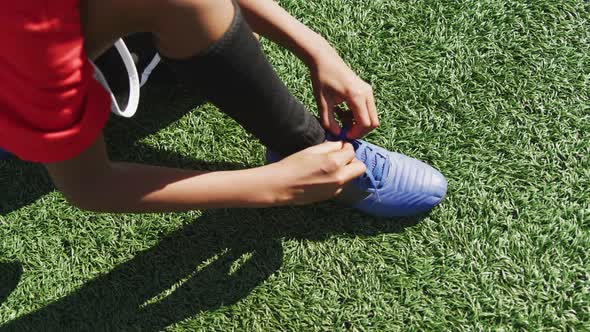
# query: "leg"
[[234, 74]]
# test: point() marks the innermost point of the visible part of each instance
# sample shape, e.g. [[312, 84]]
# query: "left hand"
[[334, 83]]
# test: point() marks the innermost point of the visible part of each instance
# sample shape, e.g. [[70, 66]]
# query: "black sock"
[[234, 74]]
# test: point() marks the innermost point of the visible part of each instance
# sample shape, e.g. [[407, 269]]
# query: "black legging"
[[234, 74]]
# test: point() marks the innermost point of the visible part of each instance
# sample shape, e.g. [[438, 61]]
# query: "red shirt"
[[51, 108]]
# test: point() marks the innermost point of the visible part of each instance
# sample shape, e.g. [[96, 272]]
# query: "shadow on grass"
[[199, 267], [10, 274]]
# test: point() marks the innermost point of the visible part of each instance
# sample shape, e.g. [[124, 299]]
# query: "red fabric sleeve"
[[51, 108]]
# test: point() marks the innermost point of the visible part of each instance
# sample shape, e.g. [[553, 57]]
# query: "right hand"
[[315, 174]]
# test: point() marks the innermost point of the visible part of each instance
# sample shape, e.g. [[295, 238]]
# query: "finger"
[[373, 111], [327, 115], [351, 171], [361, 116], [326, 147], [343, 156]]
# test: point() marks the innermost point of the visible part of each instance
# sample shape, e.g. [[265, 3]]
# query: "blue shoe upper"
[[399, 186]]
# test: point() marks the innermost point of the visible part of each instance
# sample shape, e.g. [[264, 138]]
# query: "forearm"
[[267, 18], [126, 187], [91, 182]]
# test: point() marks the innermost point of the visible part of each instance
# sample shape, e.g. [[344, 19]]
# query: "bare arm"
[[90, 181], [267, 18]]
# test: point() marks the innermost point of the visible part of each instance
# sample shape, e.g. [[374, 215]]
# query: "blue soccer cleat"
[[394, 185]]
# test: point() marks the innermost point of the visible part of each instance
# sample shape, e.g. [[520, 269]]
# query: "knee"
[[183, 27]]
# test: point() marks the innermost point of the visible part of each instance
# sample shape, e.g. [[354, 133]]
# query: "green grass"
[[494, 93]]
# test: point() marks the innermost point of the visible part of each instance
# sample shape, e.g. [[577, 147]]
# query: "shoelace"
[[377, 164]]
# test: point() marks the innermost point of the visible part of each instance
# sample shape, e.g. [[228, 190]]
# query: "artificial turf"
[[494, 93]]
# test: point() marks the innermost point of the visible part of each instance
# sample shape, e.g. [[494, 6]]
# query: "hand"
[[315, 174], [334, 83]]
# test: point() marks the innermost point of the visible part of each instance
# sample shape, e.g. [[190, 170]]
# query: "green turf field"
[[494, 93]]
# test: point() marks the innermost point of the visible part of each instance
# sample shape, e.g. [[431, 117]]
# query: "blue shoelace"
[[377, 164]]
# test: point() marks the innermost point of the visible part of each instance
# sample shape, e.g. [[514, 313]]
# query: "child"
[[52, 110]]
